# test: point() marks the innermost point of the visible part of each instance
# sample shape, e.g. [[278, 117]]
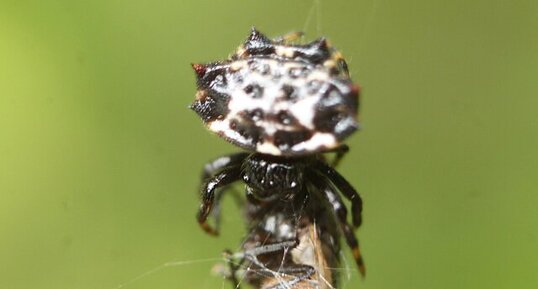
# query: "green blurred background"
[[99, 155]]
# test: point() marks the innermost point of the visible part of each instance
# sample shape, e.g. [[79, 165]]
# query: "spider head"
[[270, 178]]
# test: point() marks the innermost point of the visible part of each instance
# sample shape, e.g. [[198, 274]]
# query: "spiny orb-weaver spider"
[[287, 104]]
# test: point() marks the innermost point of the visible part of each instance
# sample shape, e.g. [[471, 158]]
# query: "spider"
[[286, 104]]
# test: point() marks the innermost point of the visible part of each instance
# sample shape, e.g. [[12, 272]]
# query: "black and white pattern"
[[278, 98]]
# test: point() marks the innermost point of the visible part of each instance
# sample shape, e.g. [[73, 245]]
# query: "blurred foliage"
[[100, 156]]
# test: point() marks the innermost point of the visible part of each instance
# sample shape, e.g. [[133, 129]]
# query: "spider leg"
[[340, 152], [216, 211], [225, 177], [216, 165], [344, 187], [330, 194], [213, 167]]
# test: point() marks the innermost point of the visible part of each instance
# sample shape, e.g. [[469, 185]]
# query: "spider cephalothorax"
[[269, 177], [278, 98]]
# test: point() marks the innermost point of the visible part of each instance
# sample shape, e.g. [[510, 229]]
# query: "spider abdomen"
[[278, 98]]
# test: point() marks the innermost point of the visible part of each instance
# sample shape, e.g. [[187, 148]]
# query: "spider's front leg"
[[210, 172], [225, 177], [215, 166], [218, 164]]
